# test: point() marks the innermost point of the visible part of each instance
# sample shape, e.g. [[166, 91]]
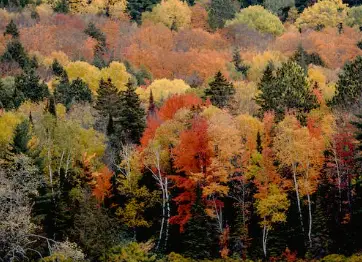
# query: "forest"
[[180, 130]]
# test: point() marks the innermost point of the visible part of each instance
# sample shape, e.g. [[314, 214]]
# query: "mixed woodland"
[[180, 131]]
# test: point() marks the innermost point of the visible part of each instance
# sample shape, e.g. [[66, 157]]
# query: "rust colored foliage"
[[334, 48], [199, 17], [192, 157], [152, 123], [176, 102], [102, 184]]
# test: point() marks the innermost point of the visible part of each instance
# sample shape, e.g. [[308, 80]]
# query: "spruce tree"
[[220, 11], [101, 46], [70, 93], [108, 99], [21, 138], [288, 90], [15, 52], [135, 8], [151, 105], [220, 91], [61, 6], [12, 29], [304, 59], [131, 116], [238, 62], [29, 87], [349, 84], [199, 240]]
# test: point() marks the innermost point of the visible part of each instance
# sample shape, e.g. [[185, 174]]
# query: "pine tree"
[[131, 116], [135, 8], [15, 52], [304, 59], [101, 46], [238, 62], [349, 84], [70, 93], [21, 138], [59, 71], [51, 107], [29, 87], [219, 12], [199, 241], [108, 99], [62, 6], [151, 105], [287, 90], [220, 91], [12, 29]]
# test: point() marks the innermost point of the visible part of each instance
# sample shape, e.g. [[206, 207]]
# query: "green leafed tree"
[[288, 89], [349, 84], [220, 91], [131, 116], [220, 11], [12, 29]]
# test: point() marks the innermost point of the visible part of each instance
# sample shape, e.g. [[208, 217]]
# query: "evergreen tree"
[[51, 107], [61, 6], [220, 11], [70, 93], [304, 59], [6, 96], [238, 62], [29, 87], [288, 90], [21, 138], [108, 99], [220, 91], [135, 8], [12, 29], [59, 71], [131, 117], [15, 52], [349, 84], [151, 105], [101, 46], [199, 240]]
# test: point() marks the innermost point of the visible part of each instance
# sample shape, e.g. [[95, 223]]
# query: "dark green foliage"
[[29, 87], [238, 62], [21, 138], [190, 2], [101, 46], [199, 238], [358, 137], [304, 59], [220, 11], [61, 6], [131, 116], [12, 29], [108, 99], [59, 71], [51, 107], [70, 93], [151, 105], [141, 75], [15, 52], [220, 91], [6, 93], [349, 84], [359, 44], [14, 3], [287, 90], [135, 8]]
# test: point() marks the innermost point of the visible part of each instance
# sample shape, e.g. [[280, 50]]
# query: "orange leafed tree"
[[102, 184], [192, 157], [176, 102]]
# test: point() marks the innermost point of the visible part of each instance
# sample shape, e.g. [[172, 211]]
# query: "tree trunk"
[[168, 212], [297, 194], [310, 220], [338, 179], [265, 238]]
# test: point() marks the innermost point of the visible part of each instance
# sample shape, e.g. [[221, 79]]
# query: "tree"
[[11, 29], [287, 90], [29, 87], [135, 8], [16, 52], [349, 84], [304, 59], [21, 138], [238, 62], [198, 240], [172, 13], [279, 7], [219, 12], [323, 14], [131, 116], [61, 6], [258, 18], [220, 90], [70, 93]]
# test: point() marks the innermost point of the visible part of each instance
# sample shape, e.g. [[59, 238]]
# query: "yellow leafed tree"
[[174, 14], [323, 14]]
